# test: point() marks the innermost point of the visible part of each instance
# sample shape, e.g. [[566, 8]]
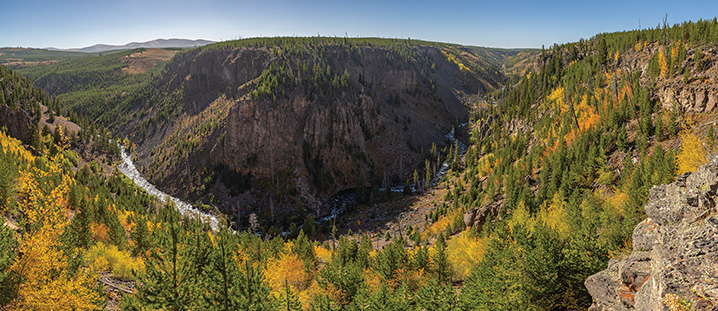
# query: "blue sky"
[[498, 23]]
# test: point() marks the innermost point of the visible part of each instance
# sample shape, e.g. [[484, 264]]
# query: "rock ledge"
[[675, 250]]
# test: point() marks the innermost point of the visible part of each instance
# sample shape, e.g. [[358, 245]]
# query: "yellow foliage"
[[322, 253], [640, 45], [555, 215], [588, 116], [675, 303], [618, 200], [520, 216], [463, 252], [372, 254], [118, 262], [151, 226], [99, 232], [306, 296], [239, 256], [46, 282], [12, 145], [442, 223], [624, 91], [287, 269], [662, 63], [675, 50], [451, 58], [373, 280], [122, 216], [609, 77], [486, 165], [412, 279], [556, 97], [693, 153]]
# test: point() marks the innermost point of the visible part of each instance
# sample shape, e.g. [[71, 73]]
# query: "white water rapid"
[[128, 168]]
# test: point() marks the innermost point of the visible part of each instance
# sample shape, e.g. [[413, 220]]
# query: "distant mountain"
[[159, 43]]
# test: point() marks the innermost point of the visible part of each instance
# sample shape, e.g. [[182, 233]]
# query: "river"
[[337, 203], [128, 168]]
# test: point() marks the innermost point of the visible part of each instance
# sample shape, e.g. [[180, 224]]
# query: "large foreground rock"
[[675, 251]]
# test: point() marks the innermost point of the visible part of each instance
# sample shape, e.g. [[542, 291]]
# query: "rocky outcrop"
[[17, 122], [691, 98], [675, 251], [476, 217]]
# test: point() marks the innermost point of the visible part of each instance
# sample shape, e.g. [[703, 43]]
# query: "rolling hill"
[[157, 44]]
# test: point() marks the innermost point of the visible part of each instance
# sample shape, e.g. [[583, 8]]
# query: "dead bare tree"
[[665, 29]]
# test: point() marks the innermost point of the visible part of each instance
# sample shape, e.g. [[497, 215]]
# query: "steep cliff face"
[[16, 122], [675, 251], [296, 124]]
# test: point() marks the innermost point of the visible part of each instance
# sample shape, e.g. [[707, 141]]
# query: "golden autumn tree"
[[286, 270], [46, 280], [692, 154], [663, 63]]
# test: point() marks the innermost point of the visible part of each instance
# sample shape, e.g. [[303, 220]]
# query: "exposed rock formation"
[[675, 251], [692, 98], [17, 122], [334, 115]]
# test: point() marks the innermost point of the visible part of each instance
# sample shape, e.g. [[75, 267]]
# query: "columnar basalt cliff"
[[675, 251], [298, 122]]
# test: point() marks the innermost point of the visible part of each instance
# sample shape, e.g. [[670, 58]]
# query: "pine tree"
[[383, 299], [8, 253], [440, 263], [344, 274], [81, 225], [622, 139], [407, 188], [253, 289], [141, 236], [602, 51], [7, 175], [304, 248], [427, 180], [51, 116], [33, 138], [309, 226], [416, 181], [698, 59], [435, 296], [710, 137], [169, 281], [659, 129], [673, 126], [222, 291], [287, 301], [456, 155]]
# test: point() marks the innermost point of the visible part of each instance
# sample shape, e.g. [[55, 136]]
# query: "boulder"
[[711, 102], [675, 250], [469, 217], [701, 100]]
